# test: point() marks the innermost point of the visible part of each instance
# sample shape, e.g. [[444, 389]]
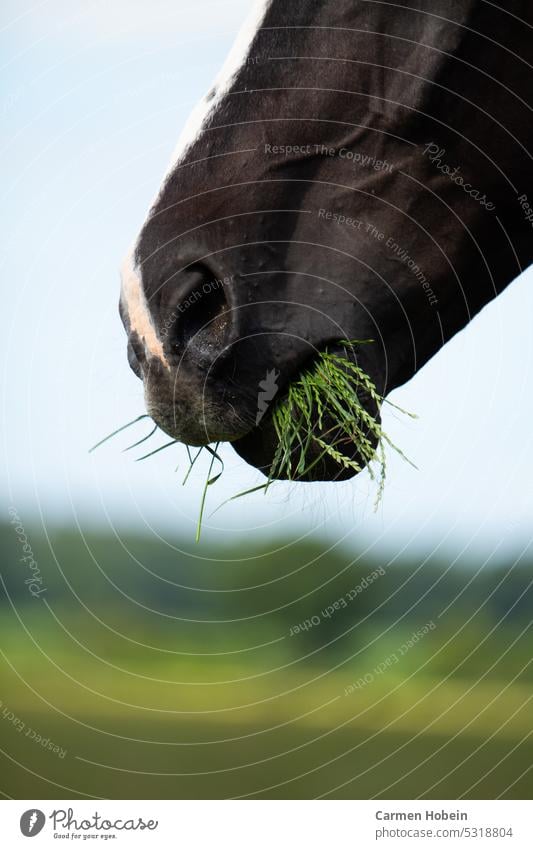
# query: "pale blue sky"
[[94, 97]]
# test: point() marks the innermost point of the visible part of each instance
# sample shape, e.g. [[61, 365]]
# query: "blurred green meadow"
[[156, 669]]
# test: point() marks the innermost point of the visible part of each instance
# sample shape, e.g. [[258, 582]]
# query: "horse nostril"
[[204, 316], [136, 354]]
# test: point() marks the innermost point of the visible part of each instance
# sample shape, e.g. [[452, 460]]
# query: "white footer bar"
[[267, 824]]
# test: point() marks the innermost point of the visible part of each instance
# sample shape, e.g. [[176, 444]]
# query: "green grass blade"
[[209, 482], [157, 450], [118, 430], [140, 441]]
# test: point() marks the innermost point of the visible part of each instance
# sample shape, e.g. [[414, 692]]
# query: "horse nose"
[[205, 316], [136, 354]]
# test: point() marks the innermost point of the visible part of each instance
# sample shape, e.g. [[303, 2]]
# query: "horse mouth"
[[320, 446], [309, 459]]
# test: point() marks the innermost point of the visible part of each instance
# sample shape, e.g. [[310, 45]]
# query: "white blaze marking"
[[234, 61], [133, 295], [139, 315]]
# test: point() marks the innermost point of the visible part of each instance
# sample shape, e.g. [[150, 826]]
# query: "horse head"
[[358, 171]]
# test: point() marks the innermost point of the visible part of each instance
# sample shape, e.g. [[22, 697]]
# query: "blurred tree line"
[[326, 601]]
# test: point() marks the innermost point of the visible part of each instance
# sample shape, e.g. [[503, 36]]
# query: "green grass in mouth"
[[321, 416]]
